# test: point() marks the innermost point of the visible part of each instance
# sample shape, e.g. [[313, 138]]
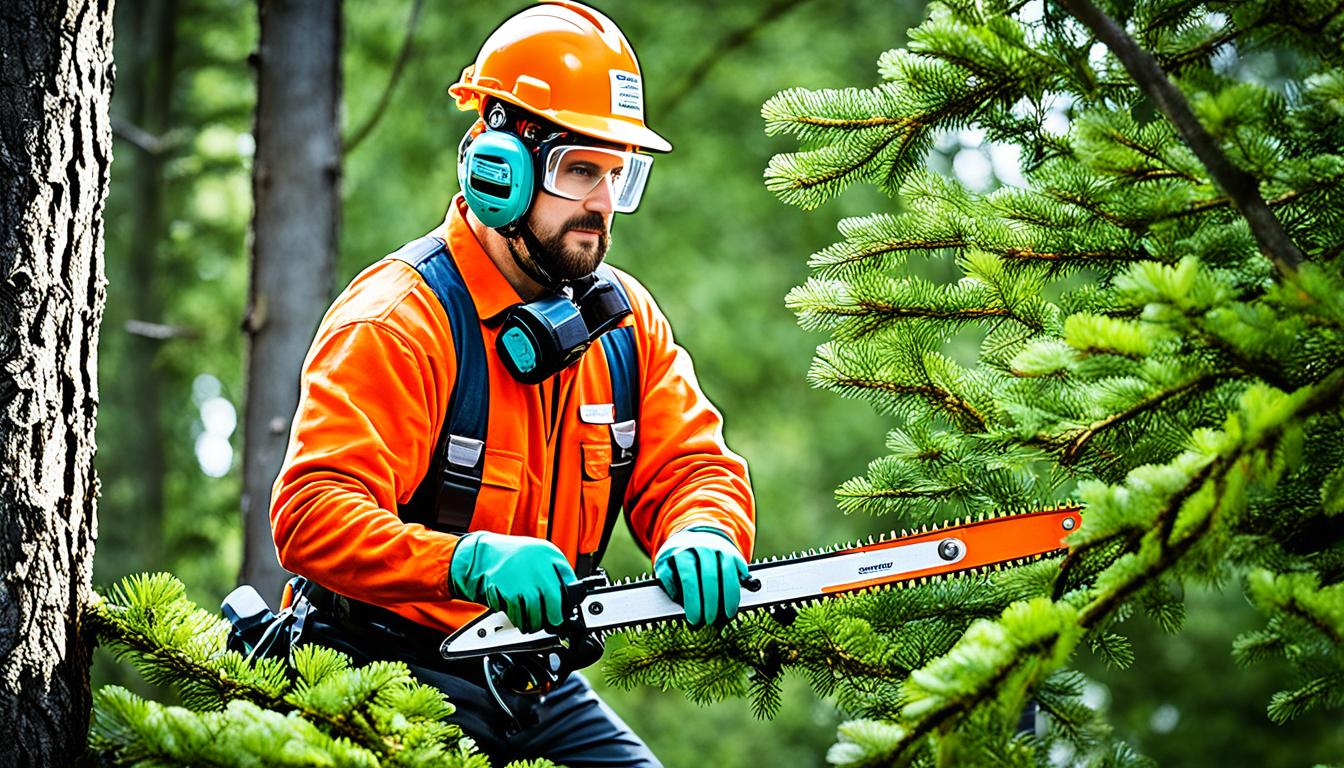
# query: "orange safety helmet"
[[569, 64]]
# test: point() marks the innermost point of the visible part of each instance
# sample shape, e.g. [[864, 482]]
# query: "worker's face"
[[574, 233]]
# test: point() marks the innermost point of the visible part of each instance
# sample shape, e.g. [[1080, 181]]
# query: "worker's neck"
[[497, 248]]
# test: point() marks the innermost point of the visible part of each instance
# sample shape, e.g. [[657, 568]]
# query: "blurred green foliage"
[[712, 244], [1185, 701]]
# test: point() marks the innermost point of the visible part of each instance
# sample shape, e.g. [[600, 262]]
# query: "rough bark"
[[295, 185], [55, 151]]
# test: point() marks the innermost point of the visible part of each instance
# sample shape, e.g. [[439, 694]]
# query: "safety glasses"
[[573, 172]]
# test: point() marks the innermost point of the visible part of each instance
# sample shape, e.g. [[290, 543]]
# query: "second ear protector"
[[543, 337]]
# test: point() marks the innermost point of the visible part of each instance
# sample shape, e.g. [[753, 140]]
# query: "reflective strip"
[[598, 413]]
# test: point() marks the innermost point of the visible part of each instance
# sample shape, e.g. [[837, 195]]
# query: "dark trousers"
[[569, 726]]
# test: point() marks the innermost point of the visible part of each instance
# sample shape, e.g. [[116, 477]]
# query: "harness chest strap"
[[459, 455], [448, 504]]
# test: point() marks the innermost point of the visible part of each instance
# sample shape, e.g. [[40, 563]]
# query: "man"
[[477, 407]]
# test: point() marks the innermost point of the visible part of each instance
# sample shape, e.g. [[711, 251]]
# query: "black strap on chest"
[[623, 367], [459, 454], [449, 503]]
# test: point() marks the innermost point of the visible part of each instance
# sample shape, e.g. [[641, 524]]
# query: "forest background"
[[714, 246]]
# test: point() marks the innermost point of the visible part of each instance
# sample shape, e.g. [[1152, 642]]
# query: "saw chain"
[[599, 608]]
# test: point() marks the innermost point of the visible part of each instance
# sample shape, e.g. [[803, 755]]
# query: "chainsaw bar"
[[789, 581]]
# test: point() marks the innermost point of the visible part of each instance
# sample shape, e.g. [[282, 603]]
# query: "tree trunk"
[[55, 150], [295, 185]]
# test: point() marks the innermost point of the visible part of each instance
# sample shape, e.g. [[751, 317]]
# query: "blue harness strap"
[[459, 456], [623, 368]]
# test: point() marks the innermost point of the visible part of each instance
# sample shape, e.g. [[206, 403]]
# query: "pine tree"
[[1160, 311], [321, 711]]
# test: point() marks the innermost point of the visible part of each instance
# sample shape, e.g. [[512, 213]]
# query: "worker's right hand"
[[519, 575]]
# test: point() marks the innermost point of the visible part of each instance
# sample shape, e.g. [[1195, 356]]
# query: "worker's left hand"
[[703, 570]]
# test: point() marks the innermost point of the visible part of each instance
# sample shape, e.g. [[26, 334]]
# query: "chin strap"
[[536, 250]]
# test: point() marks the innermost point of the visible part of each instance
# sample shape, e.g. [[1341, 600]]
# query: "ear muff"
[[497, 177]]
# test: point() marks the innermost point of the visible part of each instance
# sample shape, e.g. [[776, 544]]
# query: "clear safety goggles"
[[574, 171]]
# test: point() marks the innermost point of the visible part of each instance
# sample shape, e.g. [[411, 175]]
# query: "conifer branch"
[[1170, 553], [897, 493], [1027, 253], [960, 408], [1074, 447], [840, 172], [906, 312], [1238, 184], [1294, 608], [1078, 554], [857, 123], [1265, 370], [1175, 62], [986, 691], [124, 641], [885, 249], [1326, 395], [1176, 479], [1119, 137], [1094, 208], [1172, 509], [1292, 195]]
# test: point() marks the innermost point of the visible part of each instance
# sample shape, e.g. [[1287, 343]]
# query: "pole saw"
[[537, 661], [598, 609]]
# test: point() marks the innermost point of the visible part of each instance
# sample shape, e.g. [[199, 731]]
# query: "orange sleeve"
[[684, 474], [361, 442]]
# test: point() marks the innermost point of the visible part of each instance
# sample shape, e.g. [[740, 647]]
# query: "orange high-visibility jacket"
[[374, 396]]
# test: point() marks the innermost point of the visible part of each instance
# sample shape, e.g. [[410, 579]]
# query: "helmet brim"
[[612, 129]]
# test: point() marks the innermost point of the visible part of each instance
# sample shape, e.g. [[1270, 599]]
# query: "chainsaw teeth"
[[783, 610]]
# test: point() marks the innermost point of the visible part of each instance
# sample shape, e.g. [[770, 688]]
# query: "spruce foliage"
[[320, 712], [1142, 350]]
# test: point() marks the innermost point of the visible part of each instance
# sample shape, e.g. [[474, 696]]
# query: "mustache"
[[592, 221]]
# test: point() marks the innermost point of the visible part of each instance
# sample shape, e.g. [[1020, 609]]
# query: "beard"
[[560, 261]]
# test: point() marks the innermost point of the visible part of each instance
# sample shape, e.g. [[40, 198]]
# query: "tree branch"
[[160, 331], [1238, 184], [1324, 395], [139, 138], [1073, 449], [727, 45], [381, 107]]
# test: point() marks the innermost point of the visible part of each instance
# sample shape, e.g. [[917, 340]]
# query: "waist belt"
[[390, 636]]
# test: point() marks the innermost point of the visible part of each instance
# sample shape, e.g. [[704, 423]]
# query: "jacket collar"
[[489, 289]]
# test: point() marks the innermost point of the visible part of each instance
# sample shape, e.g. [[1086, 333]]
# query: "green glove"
[[519, 575], [701, 569]]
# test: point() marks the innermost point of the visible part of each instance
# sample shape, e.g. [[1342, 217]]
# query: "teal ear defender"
[[497, 175]]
